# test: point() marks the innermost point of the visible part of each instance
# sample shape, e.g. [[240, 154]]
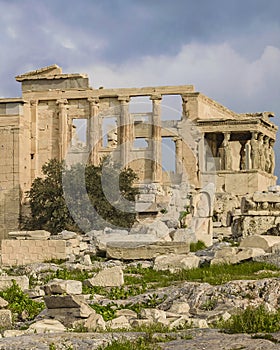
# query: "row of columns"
[[125, 138]]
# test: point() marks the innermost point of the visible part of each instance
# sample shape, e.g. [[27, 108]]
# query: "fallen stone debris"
[[76, 314]]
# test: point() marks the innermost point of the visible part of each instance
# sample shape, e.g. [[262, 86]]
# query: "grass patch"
[[252, 320], [124, 344], [154, 334], [213, 274]]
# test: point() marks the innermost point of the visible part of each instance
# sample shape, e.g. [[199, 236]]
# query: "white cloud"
[[216, 70]]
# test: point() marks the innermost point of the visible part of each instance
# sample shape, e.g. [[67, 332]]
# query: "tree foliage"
[[81, 198]]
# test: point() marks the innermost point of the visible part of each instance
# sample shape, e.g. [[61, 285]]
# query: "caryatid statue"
[[225, 153], [261, 155], [266, 152], [271, 156], [255, 159]]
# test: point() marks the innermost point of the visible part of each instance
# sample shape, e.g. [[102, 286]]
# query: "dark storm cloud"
[[229, 49]]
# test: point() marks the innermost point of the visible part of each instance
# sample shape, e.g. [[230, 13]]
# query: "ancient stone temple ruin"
[[60, 116]]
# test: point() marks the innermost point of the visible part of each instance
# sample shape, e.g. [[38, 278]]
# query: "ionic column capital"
[[123, 99], [62, 102], [33, 103], [155, 98], [93, 100]]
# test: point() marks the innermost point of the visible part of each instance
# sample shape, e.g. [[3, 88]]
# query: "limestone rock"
[[64, 301], [237, 254], [85, 260], [3, 303], [144, 250], [176, 262], [183, 235], [129, 314], [110, 277], [36, 234], [264, 242], [59, 286], [180, 308], [13, 333], [155, 314], [7, 281], [120, 322], [47, 326], [141, 322], [95, 322], [68, 234], [5, 319]]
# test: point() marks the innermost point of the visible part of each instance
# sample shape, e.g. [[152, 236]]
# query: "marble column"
[[179, 154], [156, 140], [63, 123], [126, 131], [94, 140]]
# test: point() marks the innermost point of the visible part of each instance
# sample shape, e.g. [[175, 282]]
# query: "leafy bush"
[[19, 302], [199, 245], [92, 196], [252, 320]]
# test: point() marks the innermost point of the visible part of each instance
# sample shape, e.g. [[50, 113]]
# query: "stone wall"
[[21, 252]]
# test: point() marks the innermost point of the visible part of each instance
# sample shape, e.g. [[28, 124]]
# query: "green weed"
[[199, 245], [19, 302], [252, 320]]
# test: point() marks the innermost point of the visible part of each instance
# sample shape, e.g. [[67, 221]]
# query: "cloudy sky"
[[228, 49]]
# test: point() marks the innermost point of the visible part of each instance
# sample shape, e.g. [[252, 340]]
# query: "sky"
[[228, 49]]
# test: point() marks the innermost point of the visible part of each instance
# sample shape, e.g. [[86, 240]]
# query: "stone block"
[[266, 197], [110, 277], [142, 250], [36, 234], [120, 322], [153, 314], [64, 301], [95, 323], [183, 235], [5, 319], [179, 308], [264, 242], [129, 314], [238, 255], [46, 326], [68, 315], [59, 286], [176, 262], [7, 281]]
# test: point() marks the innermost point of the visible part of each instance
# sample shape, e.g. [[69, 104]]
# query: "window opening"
[[109, 132], [171, 107], [140, 143], [79, 133], [168, 154]]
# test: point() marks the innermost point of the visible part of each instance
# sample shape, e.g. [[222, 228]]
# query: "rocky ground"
[[206, 339], [88, 302]]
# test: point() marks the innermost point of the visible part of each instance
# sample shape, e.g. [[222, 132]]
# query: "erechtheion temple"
[[209, 140]]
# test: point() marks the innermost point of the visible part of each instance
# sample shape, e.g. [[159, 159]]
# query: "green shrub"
[[252, 320], [106, 200], [194, 247], [19, 302]]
